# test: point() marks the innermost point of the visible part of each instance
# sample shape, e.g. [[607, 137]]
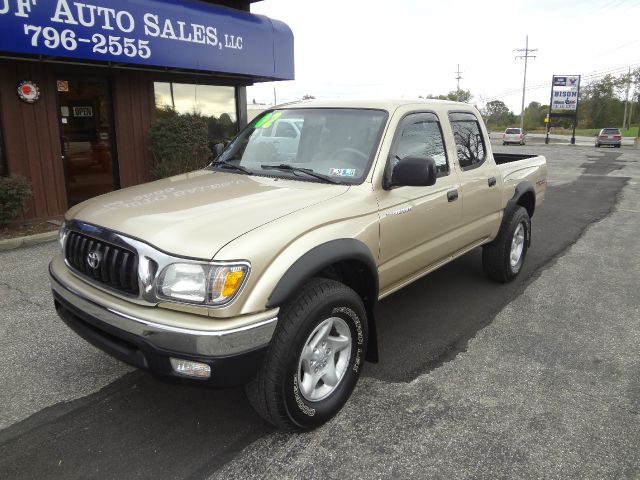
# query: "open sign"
[[83, 111]]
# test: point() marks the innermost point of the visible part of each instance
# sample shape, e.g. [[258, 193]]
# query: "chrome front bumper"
[[201, 343]]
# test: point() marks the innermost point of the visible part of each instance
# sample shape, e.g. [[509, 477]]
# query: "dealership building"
[[81, 82]]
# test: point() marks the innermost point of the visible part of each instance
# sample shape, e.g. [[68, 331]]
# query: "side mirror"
[[414, 171]]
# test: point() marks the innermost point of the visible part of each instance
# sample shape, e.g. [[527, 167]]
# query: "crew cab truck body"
[[264, 268]]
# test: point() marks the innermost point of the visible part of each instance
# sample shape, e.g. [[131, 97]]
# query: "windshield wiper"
[[224, 163], [308, 171]]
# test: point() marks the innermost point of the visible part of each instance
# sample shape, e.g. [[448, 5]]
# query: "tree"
[[534, 116], [178, 143], [497, 114], [460, 95], [599, 104], [626, 86], [455, 96]]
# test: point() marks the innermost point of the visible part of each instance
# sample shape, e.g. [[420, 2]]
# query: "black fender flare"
[[524, 187], [321, 257]]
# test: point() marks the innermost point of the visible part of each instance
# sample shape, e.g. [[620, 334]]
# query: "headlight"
[[201, 283], [183, 281], [62, 233]]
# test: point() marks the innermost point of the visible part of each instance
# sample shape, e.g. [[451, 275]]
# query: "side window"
[[421, 136], [469, 140], [285, 129]]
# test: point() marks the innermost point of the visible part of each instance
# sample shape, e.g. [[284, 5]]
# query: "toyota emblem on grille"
[[93, 259]]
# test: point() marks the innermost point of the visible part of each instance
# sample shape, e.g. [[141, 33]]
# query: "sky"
[[406, 48]]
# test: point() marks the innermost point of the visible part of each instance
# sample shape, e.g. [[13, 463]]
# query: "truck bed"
[[502, 158], [516, 168]]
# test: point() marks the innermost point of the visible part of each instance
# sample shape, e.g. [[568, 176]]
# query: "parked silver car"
[[609, 136], [513, 135]]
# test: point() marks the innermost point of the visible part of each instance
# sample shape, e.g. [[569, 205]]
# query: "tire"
[[504, 143], [597, 145], [512, 240], [279, 393]]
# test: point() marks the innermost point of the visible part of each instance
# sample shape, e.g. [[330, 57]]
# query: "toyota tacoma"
[[264, 267]]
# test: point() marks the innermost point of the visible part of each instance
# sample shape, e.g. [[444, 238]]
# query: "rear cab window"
[[469, 140]]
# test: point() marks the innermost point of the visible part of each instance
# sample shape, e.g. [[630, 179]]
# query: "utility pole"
[[526, 57], [626, 101], [636, 142], [458, 78]]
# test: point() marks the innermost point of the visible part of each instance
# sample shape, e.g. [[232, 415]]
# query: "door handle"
[[452, 195], [492, 181]]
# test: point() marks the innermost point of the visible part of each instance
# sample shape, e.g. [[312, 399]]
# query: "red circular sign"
[[28, 92]]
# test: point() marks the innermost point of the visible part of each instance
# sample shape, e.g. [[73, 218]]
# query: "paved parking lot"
[[536, 379]]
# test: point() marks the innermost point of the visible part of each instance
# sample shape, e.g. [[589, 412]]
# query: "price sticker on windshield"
[[268, 119], [343, 172]]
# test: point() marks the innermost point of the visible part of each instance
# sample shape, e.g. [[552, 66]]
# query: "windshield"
[[337, 143], [511, 131], [611, 131]]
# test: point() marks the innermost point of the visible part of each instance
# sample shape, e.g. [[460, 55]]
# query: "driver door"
[[418, 225]]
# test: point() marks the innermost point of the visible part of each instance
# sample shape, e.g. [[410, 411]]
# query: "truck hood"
[[195, 214]]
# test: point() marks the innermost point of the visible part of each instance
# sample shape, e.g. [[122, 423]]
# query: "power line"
[[526, 57], [586, 76], [614, 50]]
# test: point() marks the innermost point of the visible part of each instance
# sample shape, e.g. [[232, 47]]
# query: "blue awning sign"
[[189, 35]]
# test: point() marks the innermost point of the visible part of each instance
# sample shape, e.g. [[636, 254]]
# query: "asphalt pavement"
[[539, 378]]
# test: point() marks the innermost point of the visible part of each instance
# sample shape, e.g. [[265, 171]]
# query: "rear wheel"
[[503, 258], [314, 359]]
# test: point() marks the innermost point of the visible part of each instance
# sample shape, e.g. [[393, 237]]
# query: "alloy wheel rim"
[[517, 246], [324, 359]]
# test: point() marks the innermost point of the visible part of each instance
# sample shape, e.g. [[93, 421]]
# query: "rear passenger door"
[[417, 224], [479, 178]]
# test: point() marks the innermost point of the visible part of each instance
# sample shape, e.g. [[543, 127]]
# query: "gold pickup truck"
[[264, 268]]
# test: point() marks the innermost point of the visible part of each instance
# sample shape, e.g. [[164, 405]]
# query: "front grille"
[[117, 267]]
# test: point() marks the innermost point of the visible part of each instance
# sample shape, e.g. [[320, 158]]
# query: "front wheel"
[[503, 258], [314, 359]]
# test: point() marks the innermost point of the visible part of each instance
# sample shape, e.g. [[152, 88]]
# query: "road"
[[537, 378]]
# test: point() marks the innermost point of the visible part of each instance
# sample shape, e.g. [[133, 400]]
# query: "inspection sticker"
[[343, 172]]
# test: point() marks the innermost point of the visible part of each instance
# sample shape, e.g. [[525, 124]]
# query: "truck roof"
[[382, 104]]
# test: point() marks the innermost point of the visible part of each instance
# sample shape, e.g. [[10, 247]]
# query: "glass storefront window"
[[4, 170], [216, 103]]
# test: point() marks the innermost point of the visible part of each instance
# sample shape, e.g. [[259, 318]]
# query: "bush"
[[178, 143], [14, 193]]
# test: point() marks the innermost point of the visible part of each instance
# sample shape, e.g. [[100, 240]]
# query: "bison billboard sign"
[[564, 92]]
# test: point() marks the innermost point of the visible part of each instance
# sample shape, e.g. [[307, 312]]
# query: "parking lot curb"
[[13, 243]]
